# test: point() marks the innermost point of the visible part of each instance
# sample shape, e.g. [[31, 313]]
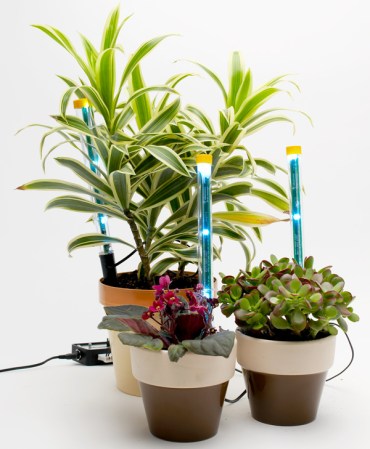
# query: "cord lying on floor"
[[63, 356], [90, 354]]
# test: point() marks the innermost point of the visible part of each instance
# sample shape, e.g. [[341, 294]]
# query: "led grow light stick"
[[204, 169], [84, 112], [293, 154]]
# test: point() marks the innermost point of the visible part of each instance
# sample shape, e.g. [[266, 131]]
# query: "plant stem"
[[139, 243]]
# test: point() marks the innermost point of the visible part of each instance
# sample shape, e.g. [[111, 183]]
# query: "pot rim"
[[191, 371], [285, 357]]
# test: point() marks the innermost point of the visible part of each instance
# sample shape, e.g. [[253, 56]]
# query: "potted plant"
[[183, 364], [147, 148], [144, 175], [287, 317]]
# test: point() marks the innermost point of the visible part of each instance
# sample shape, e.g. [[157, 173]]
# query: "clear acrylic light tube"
[[204, 172], [84, 112], [293, 155]]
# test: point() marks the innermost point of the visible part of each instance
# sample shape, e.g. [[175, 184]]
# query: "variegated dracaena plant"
[[147, 149]]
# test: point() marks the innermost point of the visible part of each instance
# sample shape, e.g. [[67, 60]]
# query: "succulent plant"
[[281, 300]]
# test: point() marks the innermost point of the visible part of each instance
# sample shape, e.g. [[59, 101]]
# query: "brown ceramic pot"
[[284, 379], [183, 400]]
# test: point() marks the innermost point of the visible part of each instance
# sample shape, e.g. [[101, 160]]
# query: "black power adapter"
[[90, 354]]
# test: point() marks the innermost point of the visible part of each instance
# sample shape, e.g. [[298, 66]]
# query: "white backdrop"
[[49, 300]]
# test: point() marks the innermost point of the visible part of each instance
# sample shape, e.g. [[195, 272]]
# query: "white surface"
[[48, 301]]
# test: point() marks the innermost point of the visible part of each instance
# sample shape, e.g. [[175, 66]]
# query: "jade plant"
[[147, 142], [171, 323], [281, 300]]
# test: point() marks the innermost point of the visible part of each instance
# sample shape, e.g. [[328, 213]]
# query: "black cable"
[[350, 362], [63, 356], [232, 401], [125, 258]]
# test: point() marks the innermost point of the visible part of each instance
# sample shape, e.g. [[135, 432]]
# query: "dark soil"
[[130, 280]]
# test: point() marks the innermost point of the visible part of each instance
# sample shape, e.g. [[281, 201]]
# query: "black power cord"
[[89, 354], [63, 356]]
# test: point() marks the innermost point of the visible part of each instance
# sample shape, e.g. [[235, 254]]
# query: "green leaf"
[[55, 184], [126, 310], [62, 40], [165, 193], [279, 322], [266, 165], [202, 116], [160, 121], [89, 240], [236, 74], [175, 352], [162, 266], [273, 200], [246, 218], [115, 159], [235, 292], [73, 123], [112, 323], [168, 157], [97, 101], [140, 341], [274, 185], [85, 173], [122, 119], [254, 102], [354, 317], [235, 189], [106, 77], [141, 106], [244, 90], [331, 312], [308, 262], [298, 320], [218, 344], [121, 187], [214, 77], [111, 29], [262, 123], [295, 285], [226, 230], [90, 51], [77, 204], [134, 59]]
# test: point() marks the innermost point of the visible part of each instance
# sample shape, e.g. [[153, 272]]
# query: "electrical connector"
[[98, 353]]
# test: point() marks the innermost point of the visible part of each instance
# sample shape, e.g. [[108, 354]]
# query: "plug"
[[90, 354]]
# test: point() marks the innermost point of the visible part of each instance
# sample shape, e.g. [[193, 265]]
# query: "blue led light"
[[204, 170], [100, 220], [295, 211]]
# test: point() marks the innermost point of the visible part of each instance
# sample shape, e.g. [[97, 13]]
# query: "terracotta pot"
[[117, 296], [284, 379], [183, 400]]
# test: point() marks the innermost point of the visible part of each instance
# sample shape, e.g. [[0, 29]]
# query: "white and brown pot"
[[284, 379], [116, 296], [110, 296], [183, 400]]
